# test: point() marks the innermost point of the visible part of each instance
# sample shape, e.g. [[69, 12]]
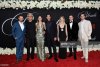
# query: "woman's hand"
[[58, 39], [66, 38]]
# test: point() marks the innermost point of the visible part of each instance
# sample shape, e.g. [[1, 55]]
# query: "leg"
[[32, 46], [74, 49], [49, 47], [28, 49], [21, 47], [17, 49], [70, 50], [54, 50], [85, 50]]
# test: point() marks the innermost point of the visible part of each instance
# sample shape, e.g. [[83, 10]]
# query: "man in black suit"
[[30, 35], [51, 33], [72, 34]]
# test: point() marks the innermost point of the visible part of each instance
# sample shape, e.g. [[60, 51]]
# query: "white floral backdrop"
[[49, 4]]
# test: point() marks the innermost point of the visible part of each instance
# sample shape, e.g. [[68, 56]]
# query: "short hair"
[[49, 14], [71, 15], [20, 16], [30, 14]]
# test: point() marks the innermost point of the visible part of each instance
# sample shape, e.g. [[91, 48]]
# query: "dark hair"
[[38, 17], [49, 14], [71, 15], [83, 14], [20, 16]]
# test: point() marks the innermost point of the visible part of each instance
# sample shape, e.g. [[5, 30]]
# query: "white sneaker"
[[82, 57], [86, 60]]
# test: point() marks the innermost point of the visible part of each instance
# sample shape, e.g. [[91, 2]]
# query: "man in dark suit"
[[72, 27], [51, 33], [30, 35], [18, 31]]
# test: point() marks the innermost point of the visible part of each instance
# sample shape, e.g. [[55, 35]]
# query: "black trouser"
[[30, 44], [51, 44], [74, 49]]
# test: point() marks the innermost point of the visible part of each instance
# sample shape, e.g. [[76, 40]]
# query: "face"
[[82, 17], [62, 19], [39, 18], [20, 18], [71, 18], [30, 17], [48, 17]]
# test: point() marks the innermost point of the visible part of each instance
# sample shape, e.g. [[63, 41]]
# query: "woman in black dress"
[[62, 36]]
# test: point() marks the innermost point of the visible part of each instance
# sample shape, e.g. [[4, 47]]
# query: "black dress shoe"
[[56, 59], [49, 57], [75, 58], [27, 59]]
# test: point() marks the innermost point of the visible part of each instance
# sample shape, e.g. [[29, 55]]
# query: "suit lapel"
[[19, 26]]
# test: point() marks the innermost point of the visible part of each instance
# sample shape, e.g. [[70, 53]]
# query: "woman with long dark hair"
[[40, 31]]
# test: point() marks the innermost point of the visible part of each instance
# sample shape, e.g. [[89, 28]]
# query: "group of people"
[[32, 31]]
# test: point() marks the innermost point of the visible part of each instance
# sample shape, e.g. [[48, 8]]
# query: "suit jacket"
[[17, 32], [30, 29], [72, 33], [87, 28], [51, 29]]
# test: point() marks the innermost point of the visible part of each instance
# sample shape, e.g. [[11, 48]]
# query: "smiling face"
[[20, 18], [48, 17], [30, 16], [71, 18], [39, 18], [62, 19], [82, 16]]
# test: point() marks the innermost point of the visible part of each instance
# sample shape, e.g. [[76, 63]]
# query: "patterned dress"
[[40, 41]]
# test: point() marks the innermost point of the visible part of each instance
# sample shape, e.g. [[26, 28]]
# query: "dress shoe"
[[49, 57], [56, 59], [75, 58], [86, 60]]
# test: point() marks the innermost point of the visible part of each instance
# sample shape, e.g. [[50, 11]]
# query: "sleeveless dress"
[[40, 42], [62, 37]]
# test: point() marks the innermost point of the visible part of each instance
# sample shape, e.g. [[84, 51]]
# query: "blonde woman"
[[62, 36]]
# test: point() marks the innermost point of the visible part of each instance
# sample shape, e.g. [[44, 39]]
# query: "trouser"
[[30, 45], [51, 44], [19, 48], [84, 45], [74, 50]]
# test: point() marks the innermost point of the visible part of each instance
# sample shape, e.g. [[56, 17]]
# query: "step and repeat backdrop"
[[8, 16]]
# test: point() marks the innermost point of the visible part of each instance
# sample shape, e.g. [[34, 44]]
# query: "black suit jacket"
[[52, 32], [72, 33], [30, 29]]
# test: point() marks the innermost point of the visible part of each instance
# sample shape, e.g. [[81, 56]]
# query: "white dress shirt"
[[21, 25], [71, 24]]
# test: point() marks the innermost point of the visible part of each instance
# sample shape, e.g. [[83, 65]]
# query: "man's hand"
[[55, 38]]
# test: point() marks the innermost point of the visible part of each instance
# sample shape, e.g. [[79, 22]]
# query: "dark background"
[[8, 41]]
